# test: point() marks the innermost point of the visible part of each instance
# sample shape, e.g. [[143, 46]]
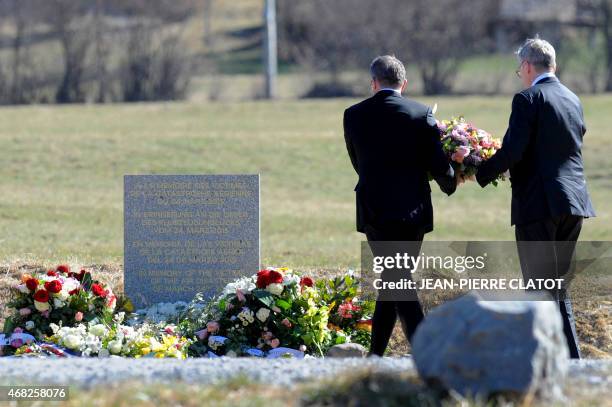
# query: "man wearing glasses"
[[542, 149]]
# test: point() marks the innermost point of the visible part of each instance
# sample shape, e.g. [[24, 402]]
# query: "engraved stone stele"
[[186, 234]]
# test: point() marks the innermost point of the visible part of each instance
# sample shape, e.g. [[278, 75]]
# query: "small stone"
[[347, 350]]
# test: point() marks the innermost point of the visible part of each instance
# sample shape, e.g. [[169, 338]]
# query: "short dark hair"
[[388, 70]]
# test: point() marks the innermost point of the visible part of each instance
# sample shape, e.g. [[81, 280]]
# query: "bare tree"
[[155, 66], [434, 35], [208, 13], [66, 18], [606, 14], [101, 53]]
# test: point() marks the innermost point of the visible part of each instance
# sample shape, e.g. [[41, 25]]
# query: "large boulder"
[[478, 347]]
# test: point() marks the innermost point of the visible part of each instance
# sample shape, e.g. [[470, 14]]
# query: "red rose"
[[41, 296], [53, 286], [63, 268], [32, 284], [263, 278], [98, 290], [73, 292], [80, 275], [306, 281], [275, 277], [51, 273]]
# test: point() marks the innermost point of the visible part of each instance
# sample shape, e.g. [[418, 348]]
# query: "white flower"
[[263, 314], [62, 295], [246, 316], [276, 289], [70, 284], [115, 347], [57, 303], [42, 306], [290, 279], [29, 325], [22, 288], [119, 317], [244, 284], [54, 327], [73, 341], [98, 330]]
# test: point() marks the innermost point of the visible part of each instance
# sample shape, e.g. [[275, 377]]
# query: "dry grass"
[[358, 388]]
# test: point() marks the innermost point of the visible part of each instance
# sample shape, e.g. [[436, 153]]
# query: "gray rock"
[[347, 350], [483, 347]]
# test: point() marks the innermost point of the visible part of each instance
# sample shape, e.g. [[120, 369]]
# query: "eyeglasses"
[[518, 71]]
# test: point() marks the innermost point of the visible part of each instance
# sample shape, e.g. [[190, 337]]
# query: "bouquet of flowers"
[[59, 297], [101, 340], [349, 317], [276, 310], [467, 146]]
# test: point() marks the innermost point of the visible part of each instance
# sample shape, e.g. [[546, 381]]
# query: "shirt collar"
[[542, 76], [397, 92]]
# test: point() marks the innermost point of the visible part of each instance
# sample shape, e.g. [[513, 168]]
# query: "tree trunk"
[[16, 93], [606, 11]]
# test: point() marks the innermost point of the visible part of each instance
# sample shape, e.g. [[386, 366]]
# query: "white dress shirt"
[[397, 91], [542, 76]]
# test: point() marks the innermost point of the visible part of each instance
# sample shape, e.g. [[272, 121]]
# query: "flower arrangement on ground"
[[278, 309], [58, 296]]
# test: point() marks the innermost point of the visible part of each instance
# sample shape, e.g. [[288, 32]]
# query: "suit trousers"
[[386, 312], [552, 261]]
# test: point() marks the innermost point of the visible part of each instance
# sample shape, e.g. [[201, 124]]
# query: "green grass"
[[61, 177]]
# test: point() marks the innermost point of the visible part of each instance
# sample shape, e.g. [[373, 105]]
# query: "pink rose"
[[267, 335], [78, 316], [274, 343], [212, 327], [202, 334], [286, 322], [302, 348], [25, 312], [240, 295], [18, 330], [45, 313], [17, 343], [460, 154]]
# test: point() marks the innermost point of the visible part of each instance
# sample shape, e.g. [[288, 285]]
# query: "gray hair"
[[538, 52], [388, 71]]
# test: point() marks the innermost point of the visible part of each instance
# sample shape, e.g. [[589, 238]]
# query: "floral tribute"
[[278, 312], [467, 146], [59, 296], [274, 313]]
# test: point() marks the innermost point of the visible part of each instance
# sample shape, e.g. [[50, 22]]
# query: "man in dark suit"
[[393, 144], [542, 150]]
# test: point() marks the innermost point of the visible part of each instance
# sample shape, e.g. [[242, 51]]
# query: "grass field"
[[61, 179]]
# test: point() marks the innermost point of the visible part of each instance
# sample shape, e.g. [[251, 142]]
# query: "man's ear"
[[404, 85], [374, 85]]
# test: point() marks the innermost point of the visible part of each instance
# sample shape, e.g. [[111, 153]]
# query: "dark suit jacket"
[[542, 150], [393, 143]]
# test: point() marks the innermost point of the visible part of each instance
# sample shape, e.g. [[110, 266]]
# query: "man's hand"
[[459, 178], [462, 178]]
